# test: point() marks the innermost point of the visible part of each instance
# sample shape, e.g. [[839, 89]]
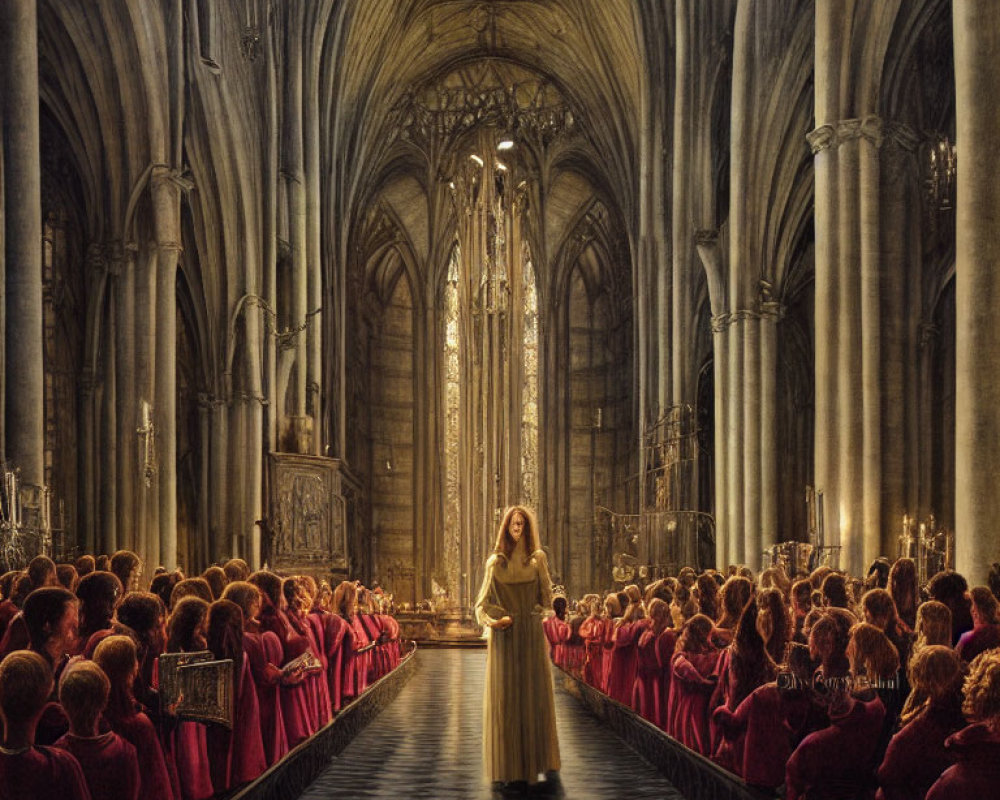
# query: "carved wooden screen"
[[307, 514]]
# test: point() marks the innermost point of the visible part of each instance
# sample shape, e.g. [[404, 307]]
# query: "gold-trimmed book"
[[207, 692], [168, 666], [307, 662]]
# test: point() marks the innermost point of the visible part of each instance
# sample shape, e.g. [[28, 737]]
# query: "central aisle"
[[426, 744]]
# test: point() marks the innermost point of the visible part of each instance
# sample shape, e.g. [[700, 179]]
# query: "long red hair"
[[505, 542]]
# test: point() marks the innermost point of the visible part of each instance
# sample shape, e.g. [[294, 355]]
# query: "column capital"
[[96, 258], [720, 322], [822, 138], [772, 310]]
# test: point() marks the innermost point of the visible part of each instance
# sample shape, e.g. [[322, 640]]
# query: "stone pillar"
[[166, 216], [147, 494], [734, 443], [977, 288], [220, 484], [123, 266], [681, 213], [108, 453], [869, 179], [751, 420], [23, 379], [900, 210], [88, 462], [848, 409], [771, 313], [823, 143]]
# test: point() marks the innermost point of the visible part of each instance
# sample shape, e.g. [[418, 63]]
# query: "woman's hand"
[[503, 623]]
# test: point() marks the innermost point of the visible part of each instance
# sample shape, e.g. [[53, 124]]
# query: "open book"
[[307, 662]]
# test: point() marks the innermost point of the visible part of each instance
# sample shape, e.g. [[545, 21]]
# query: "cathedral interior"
[[328, 284]]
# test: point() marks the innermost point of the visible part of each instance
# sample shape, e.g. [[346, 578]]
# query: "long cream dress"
[[519, 721]]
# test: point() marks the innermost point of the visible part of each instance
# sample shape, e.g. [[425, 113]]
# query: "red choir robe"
[[556, 634], [264, 649], [154, 777], [917, 756], [335, 630], [665, 646], [592, 632], [647, 691], [691, 685], [372, 657], [391, 626], [575, 648], [769, 723], [294, 698], [839, 760], [110, 765], [980, 639], [624, 660], [187, 744], [237, 755], [317, 690], [975, 774], [42, 772], [355, 662]]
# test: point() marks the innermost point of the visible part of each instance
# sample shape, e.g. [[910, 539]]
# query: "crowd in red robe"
[[825, 686], [79, 678]]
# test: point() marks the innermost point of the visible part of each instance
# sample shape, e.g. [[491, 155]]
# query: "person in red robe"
[[624, 655], [557, 630], [591, 631], [27, 770], [338, 638], [187, 741], [237, 754], [299, 722], [917, 755], [8, 591], [743, 666], [612, 613], [117, 657], [772, 720], [975, 748], [353, 668], [109, 763], [575, 648], [985, 633], [839, 760], [297, 606], [99, 593], [264, 655], [692, 682], [647, 691]]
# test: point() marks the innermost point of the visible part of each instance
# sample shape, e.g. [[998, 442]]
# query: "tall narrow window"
[[529, 387], [453, 430]]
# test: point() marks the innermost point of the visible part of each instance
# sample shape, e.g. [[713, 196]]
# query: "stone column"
[[123, 265], [900, 209], [220, 484], [147, 494], [166, 217], [108, 453], [734, 443], [977, 288], [823, 142], [771, 313], [88, 461], [681, 213], [23, 378], [751, 420], [707, 244], [872, 421], [848, 410]]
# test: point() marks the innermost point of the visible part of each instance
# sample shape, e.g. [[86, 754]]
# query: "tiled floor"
[[427, 745]]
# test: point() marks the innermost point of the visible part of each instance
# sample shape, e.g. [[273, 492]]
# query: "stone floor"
[[427, 745]]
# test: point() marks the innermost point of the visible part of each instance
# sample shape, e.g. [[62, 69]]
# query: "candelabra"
[[25, 520], [931, 547]]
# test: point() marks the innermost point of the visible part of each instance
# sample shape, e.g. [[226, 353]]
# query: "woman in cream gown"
[[519, 724]]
